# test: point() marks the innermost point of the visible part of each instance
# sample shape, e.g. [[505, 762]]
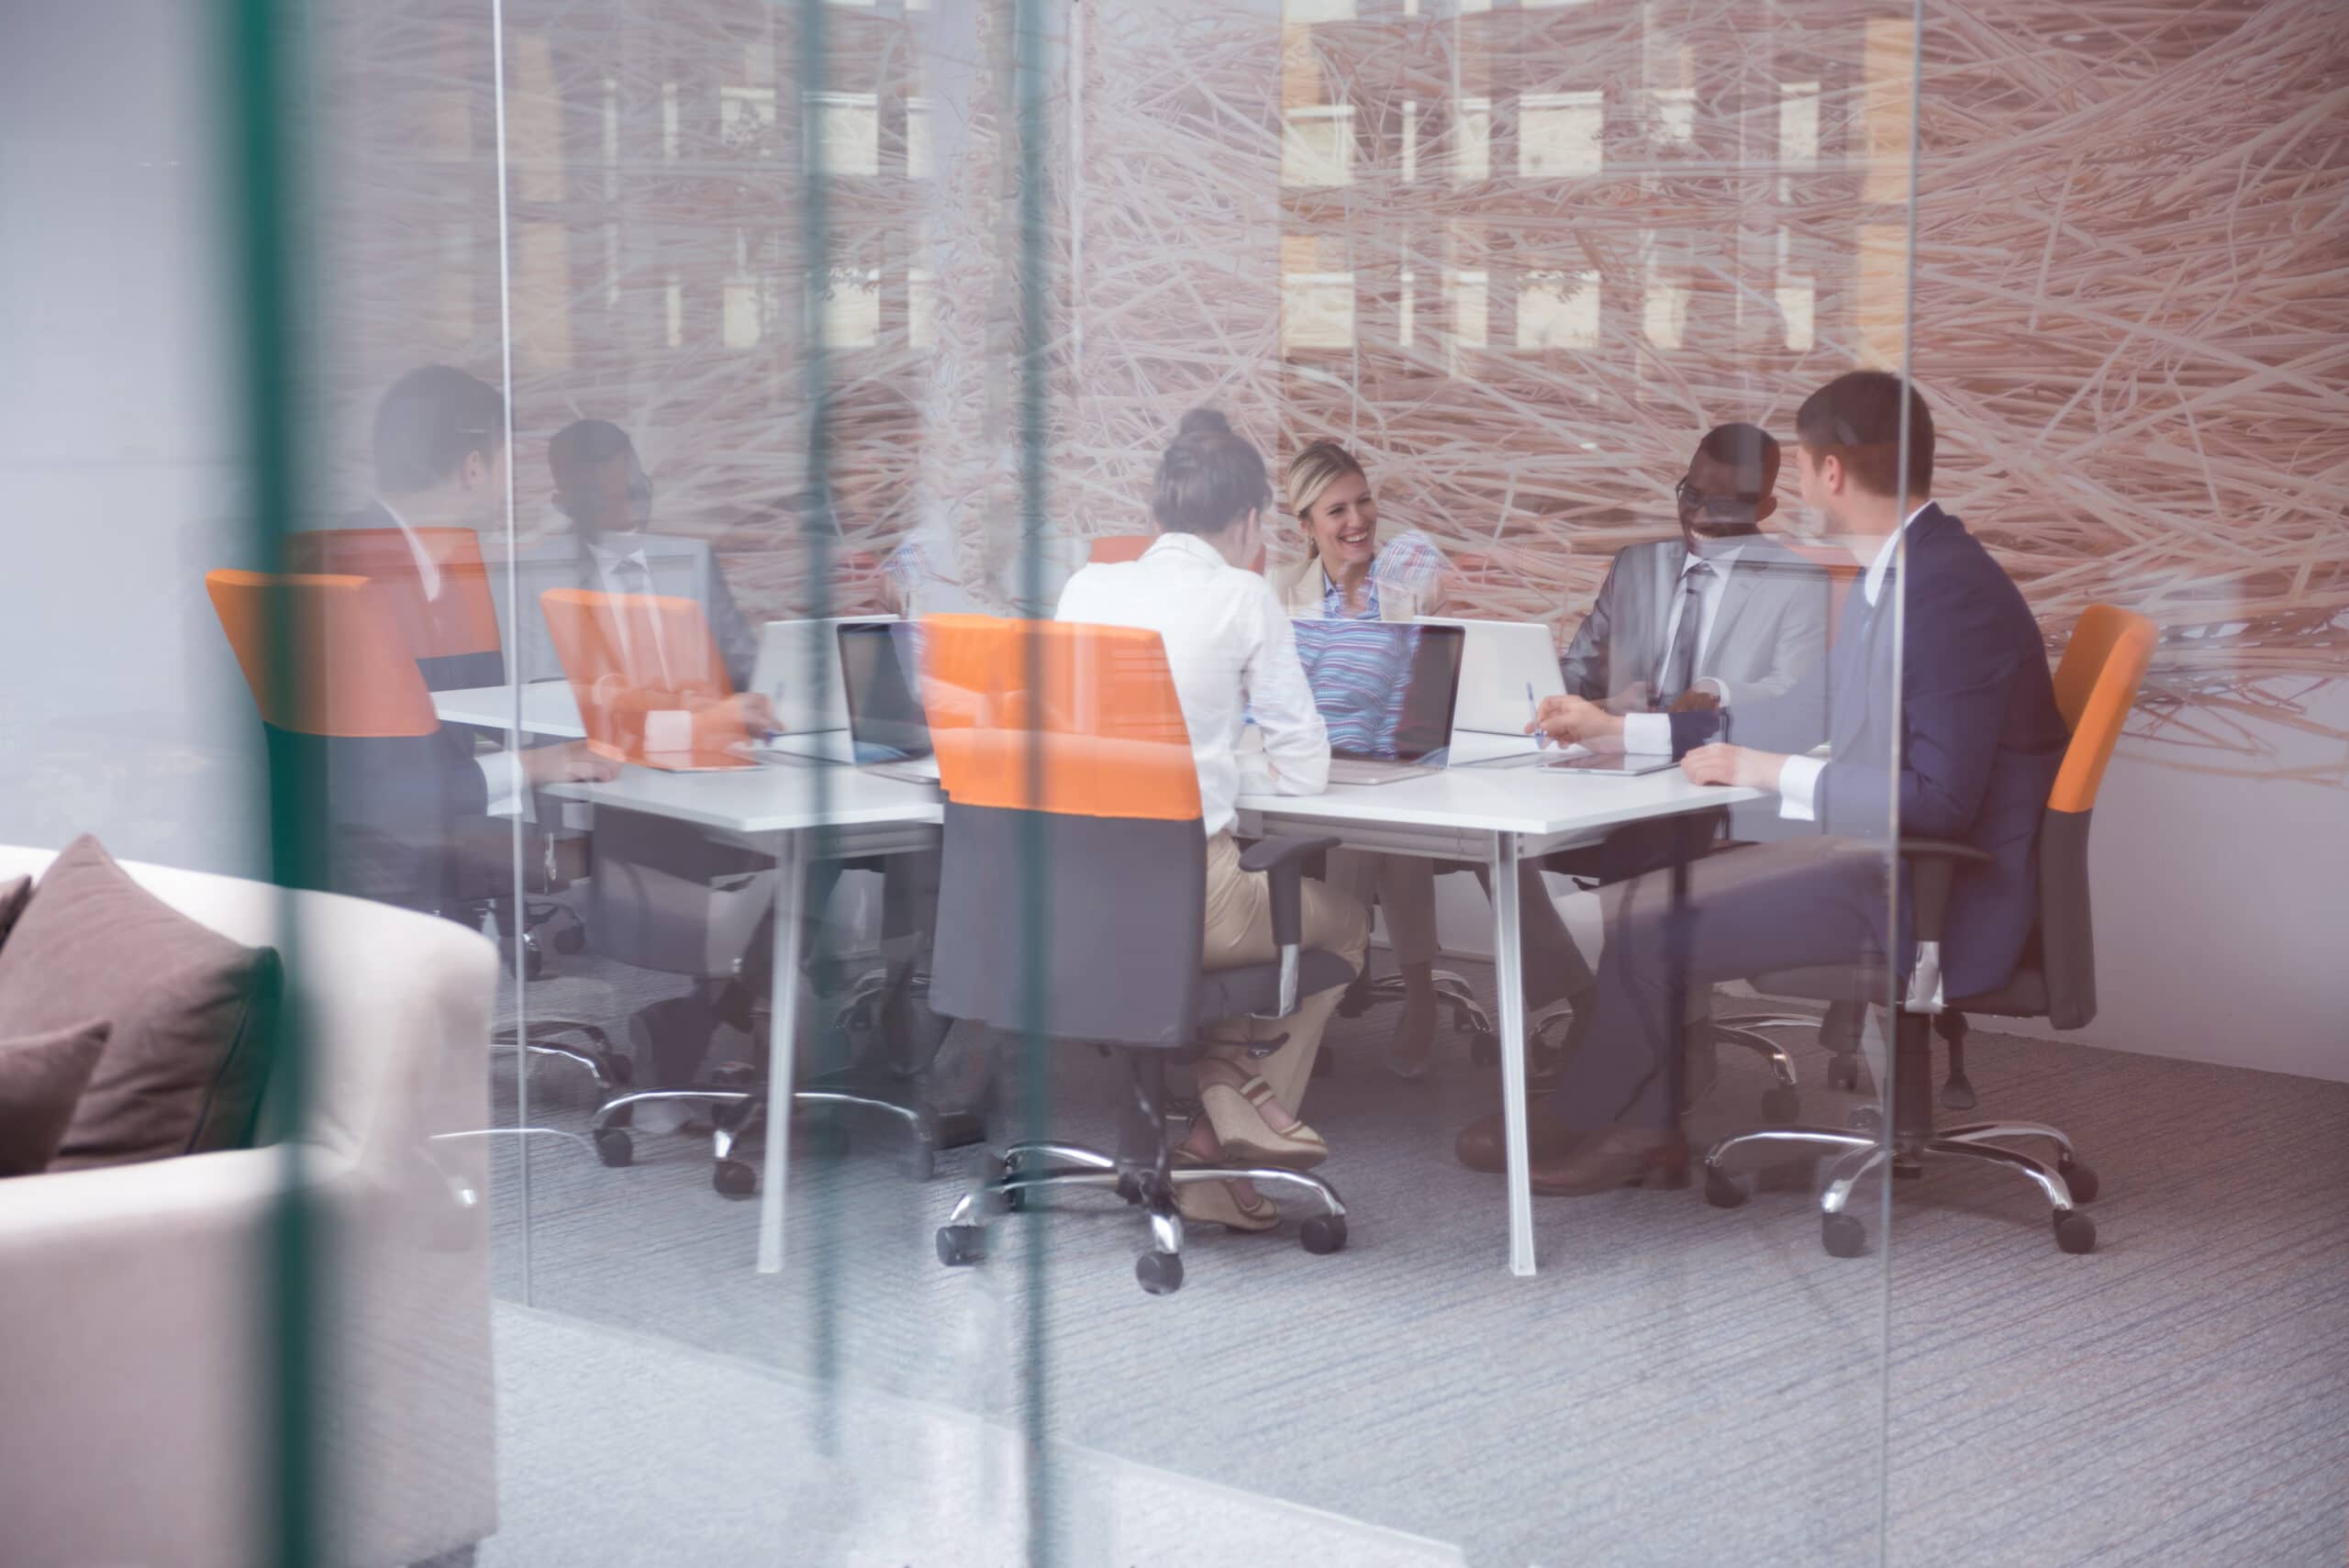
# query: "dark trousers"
[[1790, 905]]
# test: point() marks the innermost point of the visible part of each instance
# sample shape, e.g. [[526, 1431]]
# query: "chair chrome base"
[[738, 1109], [1029, 1168], [2067, 1182], [1470, 1022], [613, 1070], [1546, 1040]]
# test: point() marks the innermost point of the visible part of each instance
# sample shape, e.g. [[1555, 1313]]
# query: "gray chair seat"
[[1256, 989]]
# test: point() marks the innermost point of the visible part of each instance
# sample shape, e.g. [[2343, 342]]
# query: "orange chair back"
[[346, 674], [648, 678], [1107, 550], [463, 620], [2096, 686], [1094, 705]]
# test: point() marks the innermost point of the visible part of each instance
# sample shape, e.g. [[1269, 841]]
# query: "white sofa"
[[138, 1331]]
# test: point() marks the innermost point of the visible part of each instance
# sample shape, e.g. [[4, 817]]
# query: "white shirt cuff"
[[1719, 688], [1799, 788], [1647, 733], [502, 773]]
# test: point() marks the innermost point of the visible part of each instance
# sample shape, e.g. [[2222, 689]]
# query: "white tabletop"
[[548, 709], [769, 798], [1532, 801]]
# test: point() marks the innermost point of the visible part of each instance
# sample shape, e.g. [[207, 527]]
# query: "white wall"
[[120, 710]]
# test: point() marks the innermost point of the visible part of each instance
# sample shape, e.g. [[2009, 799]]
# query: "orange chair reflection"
[[651, 683]]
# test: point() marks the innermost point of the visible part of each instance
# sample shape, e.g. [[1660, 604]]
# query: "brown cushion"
[[190, 1011], [15, 894], [41, 1079]]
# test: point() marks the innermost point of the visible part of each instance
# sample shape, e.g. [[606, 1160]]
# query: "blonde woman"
[[1348, 574]]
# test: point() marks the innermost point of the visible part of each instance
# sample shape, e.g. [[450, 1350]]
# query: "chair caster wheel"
[[1781, 1107], [1161, 1274], [1323, 1234], [1843, 1072], [959, 1246], [735, 1178], [1002, 1200], [2075, 1231], [613, 1146], [1485, 1049], [2081, 1180], [1842, 1235], [1866, 1119], [1721, 1189]]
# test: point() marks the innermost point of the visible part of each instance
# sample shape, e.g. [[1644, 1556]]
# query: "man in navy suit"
[[1967, 752]]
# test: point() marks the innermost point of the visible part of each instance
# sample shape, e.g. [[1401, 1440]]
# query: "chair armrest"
[[1282, 859], [1932, 867]]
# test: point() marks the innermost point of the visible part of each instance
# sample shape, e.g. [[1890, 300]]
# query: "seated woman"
[[1232, 653], [1348, 574]]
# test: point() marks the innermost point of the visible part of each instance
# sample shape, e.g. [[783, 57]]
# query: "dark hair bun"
[[1204, 422]]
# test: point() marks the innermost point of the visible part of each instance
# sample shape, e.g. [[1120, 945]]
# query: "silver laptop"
[[888, 732], [1506, 668], [804, 706], [1386, 690]]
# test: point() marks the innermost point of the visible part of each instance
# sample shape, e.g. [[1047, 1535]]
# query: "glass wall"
[[1088, 781]]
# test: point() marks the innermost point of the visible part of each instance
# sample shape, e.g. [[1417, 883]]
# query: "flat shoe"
[[1214, 1203], [1238, 1118]]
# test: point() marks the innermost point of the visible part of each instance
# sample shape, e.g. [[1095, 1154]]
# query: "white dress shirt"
[[1799, 776], [1231, 651], [1651, 732], [501, 772]]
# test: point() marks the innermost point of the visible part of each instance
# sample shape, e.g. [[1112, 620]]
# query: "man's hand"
[[1739, 766], [1695, 699], [1569, 720], [574, 762]]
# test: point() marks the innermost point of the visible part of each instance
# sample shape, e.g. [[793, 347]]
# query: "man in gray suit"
[[1722, 610]]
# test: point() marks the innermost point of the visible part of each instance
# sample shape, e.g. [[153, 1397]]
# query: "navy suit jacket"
[[1970, 757]]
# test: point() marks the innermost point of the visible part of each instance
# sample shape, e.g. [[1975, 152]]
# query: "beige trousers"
[[1404, 886], [1240, 931]]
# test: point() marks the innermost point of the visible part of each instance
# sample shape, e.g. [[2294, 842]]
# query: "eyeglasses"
[[1692, 499]]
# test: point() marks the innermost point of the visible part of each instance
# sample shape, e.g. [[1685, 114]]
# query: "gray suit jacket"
[[1770, 627]]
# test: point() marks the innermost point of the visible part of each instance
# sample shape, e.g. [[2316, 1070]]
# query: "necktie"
[[1680, 665]]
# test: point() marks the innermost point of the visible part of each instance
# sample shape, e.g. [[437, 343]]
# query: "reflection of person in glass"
[[1348, 575], [1956, 738]]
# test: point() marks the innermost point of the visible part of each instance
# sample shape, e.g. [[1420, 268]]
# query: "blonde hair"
[[1311, 472]]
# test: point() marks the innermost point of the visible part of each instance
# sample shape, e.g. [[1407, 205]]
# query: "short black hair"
[[1209, 477], [429, 421], [586, 441], [1745, 449], [1856, 417]]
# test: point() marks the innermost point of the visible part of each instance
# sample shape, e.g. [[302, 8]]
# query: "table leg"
[[1509, 974], [783, 1042]]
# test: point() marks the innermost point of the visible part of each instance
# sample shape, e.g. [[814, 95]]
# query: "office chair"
[[353, 709], [649, 681], [454, 637], [1077, 790], [2096, 686]]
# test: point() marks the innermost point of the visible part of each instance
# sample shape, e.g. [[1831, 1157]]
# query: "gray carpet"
[[1680, 1385]]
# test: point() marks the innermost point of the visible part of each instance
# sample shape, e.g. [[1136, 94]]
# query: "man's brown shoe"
[[1618, 1157], [1482, 1147]]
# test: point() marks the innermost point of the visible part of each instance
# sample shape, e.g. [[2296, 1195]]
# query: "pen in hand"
[[1533, 703]]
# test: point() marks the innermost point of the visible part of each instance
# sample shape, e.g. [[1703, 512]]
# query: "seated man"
[[1967, 751]]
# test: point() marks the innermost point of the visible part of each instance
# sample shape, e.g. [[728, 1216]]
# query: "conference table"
[[1493, 808]]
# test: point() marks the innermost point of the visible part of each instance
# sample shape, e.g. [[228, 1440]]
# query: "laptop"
[[1386, 690], [1502, 661], [781, 673], [888, 732]]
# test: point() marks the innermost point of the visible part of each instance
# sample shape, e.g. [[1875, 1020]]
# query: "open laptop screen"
[[880, 661], [1385, 688]]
